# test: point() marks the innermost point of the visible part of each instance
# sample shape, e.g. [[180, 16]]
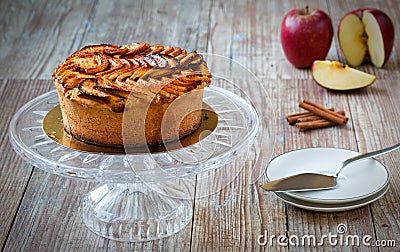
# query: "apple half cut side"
[[366, 34], [352, 39], [337, 76]]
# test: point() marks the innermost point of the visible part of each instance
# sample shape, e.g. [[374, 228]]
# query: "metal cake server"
[[315, 181]]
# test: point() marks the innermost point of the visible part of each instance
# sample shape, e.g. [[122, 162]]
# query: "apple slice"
[[337, 76], [366, 33]]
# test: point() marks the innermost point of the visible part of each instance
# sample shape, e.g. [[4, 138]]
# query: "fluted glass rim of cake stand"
[[104, 166]]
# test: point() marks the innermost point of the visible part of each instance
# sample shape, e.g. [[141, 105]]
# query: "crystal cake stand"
[[140, 196]]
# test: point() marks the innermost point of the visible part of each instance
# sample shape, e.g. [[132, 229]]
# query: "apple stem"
[[307, 10]]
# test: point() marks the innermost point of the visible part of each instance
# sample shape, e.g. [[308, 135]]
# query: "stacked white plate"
[[358, 184]]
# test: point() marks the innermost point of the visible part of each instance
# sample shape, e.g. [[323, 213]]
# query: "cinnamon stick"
[[314, 117], [294, 118], [323, 112], [322, 123]]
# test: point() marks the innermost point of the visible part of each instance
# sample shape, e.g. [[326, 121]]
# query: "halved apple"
[[337, 76], [366, 34]]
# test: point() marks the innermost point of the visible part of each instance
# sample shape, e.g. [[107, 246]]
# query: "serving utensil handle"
[[364, 156]]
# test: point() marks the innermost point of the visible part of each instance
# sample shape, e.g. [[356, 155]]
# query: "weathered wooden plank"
[[50, 218], [220, 36], [37, 35], [183, 24], [219, 195], [14, 172], [377, 124], [235, 216]]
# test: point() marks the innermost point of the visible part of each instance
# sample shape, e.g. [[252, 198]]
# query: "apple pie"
[[134, 94]]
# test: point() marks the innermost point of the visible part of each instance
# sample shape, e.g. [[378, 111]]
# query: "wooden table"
[[42, 212]]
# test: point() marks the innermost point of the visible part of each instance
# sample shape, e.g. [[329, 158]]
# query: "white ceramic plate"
[[331, 207], [357, 181]]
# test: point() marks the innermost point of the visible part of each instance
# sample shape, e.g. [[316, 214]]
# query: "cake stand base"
[[132, 212]]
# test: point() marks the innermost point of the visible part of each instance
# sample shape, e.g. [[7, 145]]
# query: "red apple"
[[337, 76], [366, 34], [306, 35]]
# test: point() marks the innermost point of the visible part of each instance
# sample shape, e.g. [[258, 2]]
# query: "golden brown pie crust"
[[148, 83]]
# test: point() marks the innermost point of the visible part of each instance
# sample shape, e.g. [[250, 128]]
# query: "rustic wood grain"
[[37, 35], [183, 23], [379, 128], [50, 217], [15, 173], [222, 208], [42, 212]]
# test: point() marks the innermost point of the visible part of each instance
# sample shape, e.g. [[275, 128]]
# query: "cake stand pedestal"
[[134, 212], [141, 196]]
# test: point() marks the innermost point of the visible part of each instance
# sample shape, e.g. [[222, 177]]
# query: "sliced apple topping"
[[337, 76]]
